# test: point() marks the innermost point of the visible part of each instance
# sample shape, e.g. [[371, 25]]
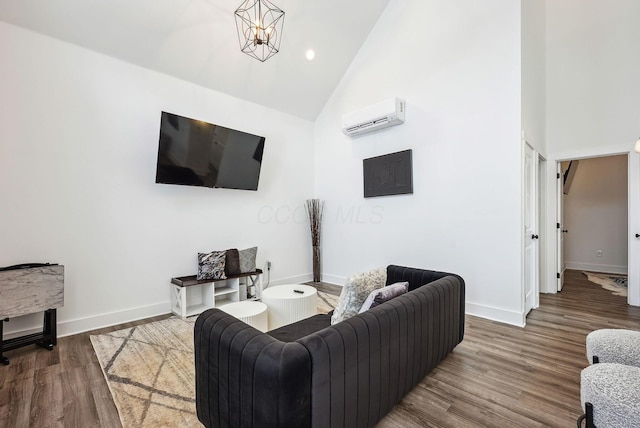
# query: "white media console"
[[190, 296]]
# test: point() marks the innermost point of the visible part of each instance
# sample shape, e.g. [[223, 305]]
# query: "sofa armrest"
[[247, 378], [420, 277]]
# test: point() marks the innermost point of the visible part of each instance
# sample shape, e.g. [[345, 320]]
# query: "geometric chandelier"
[[259, 24]]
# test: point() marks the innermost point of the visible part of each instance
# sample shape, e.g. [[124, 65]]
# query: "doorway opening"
[[593, 213]]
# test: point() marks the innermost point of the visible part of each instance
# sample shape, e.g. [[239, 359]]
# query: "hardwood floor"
[[499, 376], [505, 376], [60, 388], [326, 287]]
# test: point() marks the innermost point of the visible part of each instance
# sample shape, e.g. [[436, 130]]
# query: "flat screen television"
[[196, 153], [388, 174]]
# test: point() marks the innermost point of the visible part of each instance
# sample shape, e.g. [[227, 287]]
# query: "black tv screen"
[[388, 174], [196, 153]]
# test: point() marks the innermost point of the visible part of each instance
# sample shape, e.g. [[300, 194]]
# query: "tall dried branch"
[[315, 209]]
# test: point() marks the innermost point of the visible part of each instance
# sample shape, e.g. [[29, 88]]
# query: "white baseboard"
[[80, 325], [333, 279], [495, 314], [298, 279], [33, 323], [593, 267], [482, 311]]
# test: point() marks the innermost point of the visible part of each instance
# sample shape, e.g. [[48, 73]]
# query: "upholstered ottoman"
[[612, 391], [614, 346]]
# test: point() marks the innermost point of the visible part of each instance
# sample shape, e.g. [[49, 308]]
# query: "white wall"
[[457, 65], [77, 179], [592, 73], [591, 98], [595, 214], [533, 73]]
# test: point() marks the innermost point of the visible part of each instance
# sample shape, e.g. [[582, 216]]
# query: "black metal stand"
[[587, 416], [47, 339]]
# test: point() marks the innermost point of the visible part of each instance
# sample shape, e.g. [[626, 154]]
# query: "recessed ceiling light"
[[311, 54]]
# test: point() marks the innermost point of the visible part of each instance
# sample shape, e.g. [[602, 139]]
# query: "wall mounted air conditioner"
[[372, 118]]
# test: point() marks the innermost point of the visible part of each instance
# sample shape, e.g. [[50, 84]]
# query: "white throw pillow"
[[355, 292]]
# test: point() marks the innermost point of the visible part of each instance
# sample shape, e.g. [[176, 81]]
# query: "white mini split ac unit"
[[372, 118]]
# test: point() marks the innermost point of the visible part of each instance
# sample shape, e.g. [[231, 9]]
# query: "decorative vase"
[[315, 208], [316, 263]]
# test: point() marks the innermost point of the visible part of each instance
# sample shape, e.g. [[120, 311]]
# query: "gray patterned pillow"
[[211, 265], [355, 291], [384, 294], [248, 259]]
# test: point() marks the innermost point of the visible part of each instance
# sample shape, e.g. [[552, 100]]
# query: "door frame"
[[560, 264], [633, 189], [539, 191], [542, 226], [531, 265]]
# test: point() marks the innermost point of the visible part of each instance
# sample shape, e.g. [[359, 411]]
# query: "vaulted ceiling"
[[196, 40]]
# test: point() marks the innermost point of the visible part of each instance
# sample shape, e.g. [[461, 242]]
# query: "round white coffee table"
[[290, 303], [253, 313]]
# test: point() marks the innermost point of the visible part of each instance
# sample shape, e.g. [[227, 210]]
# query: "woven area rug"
[[326, 302], [617, 284], [150, 370]]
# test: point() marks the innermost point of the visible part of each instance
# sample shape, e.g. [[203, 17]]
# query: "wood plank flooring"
[[505, 376], [60, 388], [499, 376]]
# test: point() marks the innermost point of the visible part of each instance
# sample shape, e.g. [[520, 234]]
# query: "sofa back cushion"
[[414, 276]]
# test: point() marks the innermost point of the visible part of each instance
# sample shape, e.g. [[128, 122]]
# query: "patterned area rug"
[[326, 302], [150, 371], [617, 284]]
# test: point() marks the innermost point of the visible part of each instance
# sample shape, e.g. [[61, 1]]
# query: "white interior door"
[[530, 227], [560, 229]]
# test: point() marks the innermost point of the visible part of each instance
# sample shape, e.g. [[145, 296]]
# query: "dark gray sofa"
[[347, 375]]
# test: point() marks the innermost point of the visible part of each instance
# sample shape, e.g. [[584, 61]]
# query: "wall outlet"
[[599, 253], [268, 265]]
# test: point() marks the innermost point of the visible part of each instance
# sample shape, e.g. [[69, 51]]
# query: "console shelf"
[[224, 290], [190, 296]]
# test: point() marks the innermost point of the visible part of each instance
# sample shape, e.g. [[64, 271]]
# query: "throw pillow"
[[211, 265], [232, 263], [248, 259], [384, 294], [355, 291]]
